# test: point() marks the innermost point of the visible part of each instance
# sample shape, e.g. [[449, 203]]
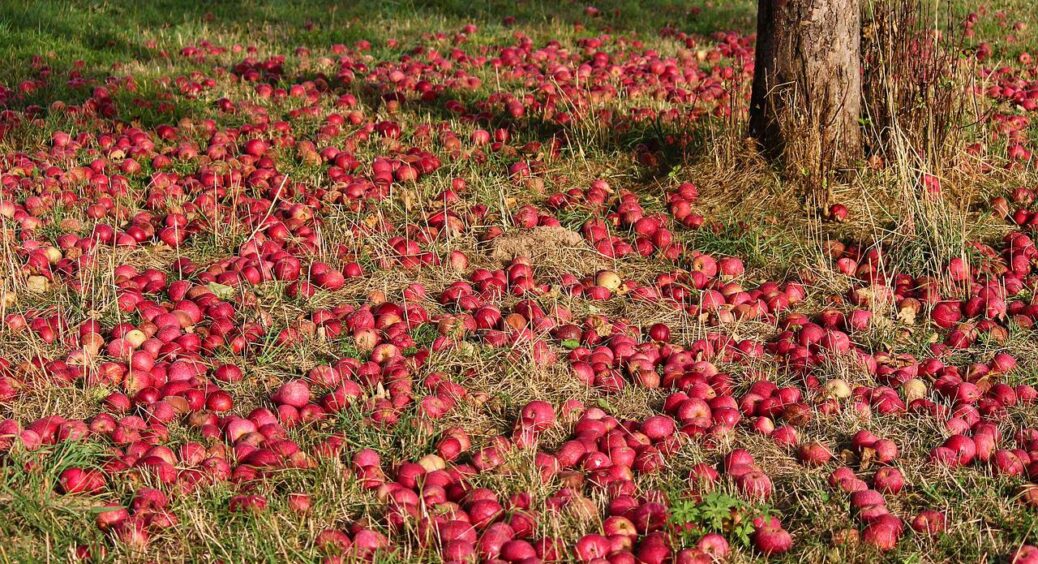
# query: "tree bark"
[[806, 99]]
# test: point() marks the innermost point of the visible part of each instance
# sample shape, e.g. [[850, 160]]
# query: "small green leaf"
[[571, 343], [222, 291]]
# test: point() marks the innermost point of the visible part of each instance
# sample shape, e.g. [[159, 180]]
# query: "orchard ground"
[[432, 282]]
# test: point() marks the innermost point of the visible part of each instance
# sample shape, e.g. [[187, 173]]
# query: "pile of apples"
[[179, 348]]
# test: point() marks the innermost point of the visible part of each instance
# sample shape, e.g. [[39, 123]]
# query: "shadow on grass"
[[105, 32], [97, 37]]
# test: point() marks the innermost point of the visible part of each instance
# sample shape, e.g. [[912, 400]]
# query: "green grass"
[[101, 34]]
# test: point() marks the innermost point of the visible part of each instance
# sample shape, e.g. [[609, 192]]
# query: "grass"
[[752, 212]]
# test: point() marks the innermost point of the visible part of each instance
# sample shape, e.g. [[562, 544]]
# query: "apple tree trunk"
[[806, 100]]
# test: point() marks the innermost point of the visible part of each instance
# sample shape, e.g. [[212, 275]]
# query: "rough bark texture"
[[806, 100]]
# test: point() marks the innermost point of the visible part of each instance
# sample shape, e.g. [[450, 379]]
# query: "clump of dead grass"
[[548, 246]]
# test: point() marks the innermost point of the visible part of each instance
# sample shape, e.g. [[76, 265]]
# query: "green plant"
[[715, 512]]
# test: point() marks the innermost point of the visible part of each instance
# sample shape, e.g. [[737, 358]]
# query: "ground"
[[423, 281]]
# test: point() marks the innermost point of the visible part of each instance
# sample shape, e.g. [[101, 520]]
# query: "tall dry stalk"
[[916, 112]]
